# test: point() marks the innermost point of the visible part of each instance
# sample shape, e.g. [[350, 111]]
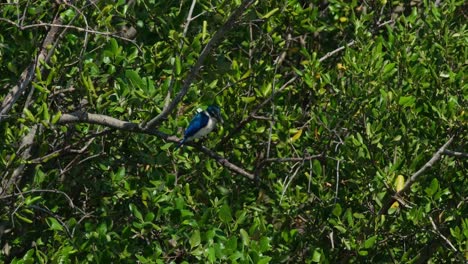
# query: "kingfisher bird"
[[203, 123]]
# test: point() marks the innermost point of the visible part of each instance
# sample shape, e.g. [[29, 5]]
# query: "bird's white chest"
[[206, 129]]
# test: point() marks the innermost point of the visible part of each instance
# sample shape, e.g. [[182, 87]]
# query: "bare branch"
[[84, 117], [441, 235], [285, 188], [79, 29], [436, 157], [198, 65], [70, 201], [333, 52], [224, 162], [306, 158]]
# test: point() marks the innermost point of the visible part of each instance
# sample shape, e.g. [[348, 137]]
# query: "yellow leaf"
[[297, 135], [399, 183]]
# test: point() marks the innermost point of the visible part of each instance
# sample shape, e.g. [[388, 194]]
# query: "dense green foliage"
[[325, 103]]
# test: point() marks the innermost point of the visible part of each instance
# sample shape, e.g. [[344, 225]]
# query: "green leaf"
[[45, 112], [407, 101], [264, 244], [363, 252], [388, 69], [135, 211], [54, 224], [433, 188], [296, 136], [211, 254], [245, 237], [248, 99], [134, 78], [29, 115], [316, 256], [178, 66], [337, 210], [370, 241], [269, 14], [264, 260], [23, 218], [225, 213], [195, 239], [56, 117]]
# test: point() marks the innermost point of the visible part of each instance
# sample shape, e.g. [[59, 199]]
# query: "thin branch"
[[254, 112], [305, 158], [441, 235], [224, 162], [198, 65], [436, 157], [349, 44], [70, 201], [333, 52], [456, 154], [337, 179], [290, 180], [79, 29], [189, 18], [49, 212], [172, 81]]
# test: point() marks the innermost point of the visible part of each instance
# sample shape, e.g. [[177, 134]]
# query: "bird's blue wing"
[[199, 121]]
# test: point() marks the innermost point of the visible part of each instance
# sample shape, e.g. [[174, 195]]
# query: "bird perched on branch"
[[202, 124]]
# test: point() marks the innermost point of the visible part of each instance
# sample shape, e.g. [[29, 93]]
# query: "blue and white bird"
[[202, 124]]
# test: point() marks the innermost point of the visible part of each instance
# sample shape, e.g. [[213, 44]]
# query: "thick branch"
[[26, 147], [84, 117], [28, 74], [97, 119], [198, 65], [436, 157]]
